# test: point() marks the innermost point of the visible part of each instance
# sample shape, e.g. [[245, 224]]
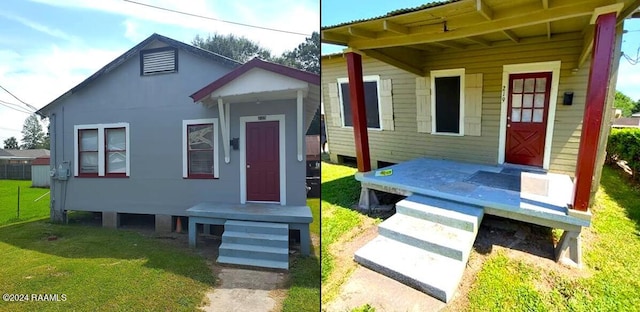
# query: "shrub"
[[624, 144]]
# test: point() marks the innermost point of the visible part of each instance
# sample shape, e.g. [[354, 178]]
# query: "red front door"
[[263, 161], [527, 118]]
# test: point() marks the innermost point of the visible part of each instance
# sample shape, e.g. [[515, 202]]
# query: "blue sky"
[[339, 11], [49, 46]]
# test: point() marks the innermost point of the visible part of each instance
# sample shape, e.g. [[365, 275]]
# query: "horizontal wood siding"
[[405, 142]]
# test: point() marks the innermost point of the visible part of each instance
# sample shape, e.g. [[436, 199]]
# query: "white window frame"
[[458, 72], [101, 146], [368, 78], [185, 145]]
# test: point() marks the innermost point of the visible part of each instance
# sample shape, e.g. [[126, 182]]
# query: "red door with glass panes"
[[263, 161], [527, 118]]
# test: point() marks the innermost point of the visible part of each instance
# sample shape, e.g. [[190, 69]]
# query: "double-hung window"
[[102, 150], [199, 148]]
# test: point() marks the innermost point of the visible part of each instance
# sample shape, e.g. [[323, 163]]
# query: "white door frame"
[[554, 68], [243, 155]]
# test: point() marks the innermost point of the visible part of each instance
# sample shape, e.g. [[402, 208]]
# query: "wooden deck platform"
[[297, 217]]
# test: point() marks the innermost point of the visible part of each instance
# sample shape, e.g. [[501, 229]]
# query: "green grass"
[[304, 275], [29, 208], [611, 256], [340, 191], [98, 269]]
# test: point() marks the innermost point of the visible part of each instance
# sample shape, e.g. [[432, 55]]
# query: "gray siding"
[[404, 142], [155, 106]]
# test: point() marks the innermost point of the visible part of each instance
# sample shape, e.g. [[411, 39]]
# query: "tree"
[[11, 143], [32, 135], [306, 56], [636, 107], [237, 48], [624, 103]]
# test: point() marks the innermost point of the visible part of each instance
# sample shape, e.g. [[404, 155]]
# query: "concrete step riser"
[[254, 263], [256, 241], [434, 217], [256, 229], [252, 254], [426, 245], [407, 280]]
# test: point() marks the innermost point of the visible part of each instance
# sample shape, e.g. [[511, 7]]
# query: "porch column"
[[358, 111], [603, 46]]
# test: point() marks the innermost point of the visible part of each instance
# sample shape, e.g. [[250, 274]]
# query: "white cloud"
[[132, 31], [299, 16], [629, 79], [40, 76], [57, 33]]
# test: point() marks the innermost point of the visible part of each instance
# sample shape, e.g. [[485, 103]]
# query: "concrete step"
[[259, 239], [434, 237], [454, 214], [257, 227], [254, 252], [254, 262], [428, 272]]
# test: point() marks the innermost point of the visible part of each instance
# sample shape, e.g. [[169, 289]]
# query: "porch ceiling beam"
[[484, 9], [450, 44], [480, 41], [381, 56], [628, 11], [511, 35], [587, 46], [533, 15], [396, 28], [545, 4], [357, 32], [330, 37]]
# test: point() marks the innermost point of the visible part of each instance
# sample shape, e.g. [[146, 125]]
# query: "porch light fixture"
[[568, 98]]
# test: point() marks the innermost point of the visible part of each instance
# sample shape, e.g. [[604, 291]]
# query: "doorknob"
[[248, 166], [508, 125]]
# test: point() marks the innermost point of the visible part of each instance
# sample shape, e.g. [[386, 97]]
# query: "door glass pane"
[[516, 100], [517, 85], [116, 162], [539, 100], [537, 115], [89, 140], [528, 84], [515, 115], [527, 101], [116, 139], [526, 115], [200, 136], [201, 162], [541, 84], [89, 162]]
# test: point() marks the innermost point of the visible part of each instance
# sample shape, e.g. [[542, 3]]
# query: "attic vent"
[[158, 61]]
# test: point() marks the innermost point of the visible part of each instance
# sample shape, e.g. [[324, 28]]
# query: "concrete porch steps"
[[259, 244], [425, 245]]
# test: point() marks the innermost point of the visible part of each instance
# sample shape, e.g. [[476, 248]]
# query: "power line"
[[17, 98], [218, 20], [16, 106], [631, 60], [15, 109]]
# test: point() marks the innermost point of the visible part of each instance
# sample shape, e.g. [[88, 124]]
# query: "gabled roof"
[[256, 63], [133, 52], [23, 154]]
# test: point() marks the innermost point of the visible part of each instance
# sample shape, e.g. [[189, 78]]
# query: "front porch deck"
[[521, 194], [297, 218]]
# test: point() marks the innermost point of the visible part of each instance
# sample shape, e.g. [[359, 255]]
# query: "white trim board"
[[101, 147], [185, 165], [554, 68], [243, 154]]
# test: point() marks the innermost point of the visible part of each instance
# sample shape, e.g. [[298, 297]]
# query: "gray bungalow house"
[[167, 127]]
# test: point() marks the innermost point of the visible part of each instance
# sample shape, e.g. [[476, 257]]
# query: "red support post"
[[603, 46], [358, 111]]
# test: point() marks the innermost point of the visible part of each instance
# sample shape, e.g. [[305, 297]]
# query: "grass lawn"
[[29, 208], [304, 274], [340, 191], [610, 251], [98, 269]]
